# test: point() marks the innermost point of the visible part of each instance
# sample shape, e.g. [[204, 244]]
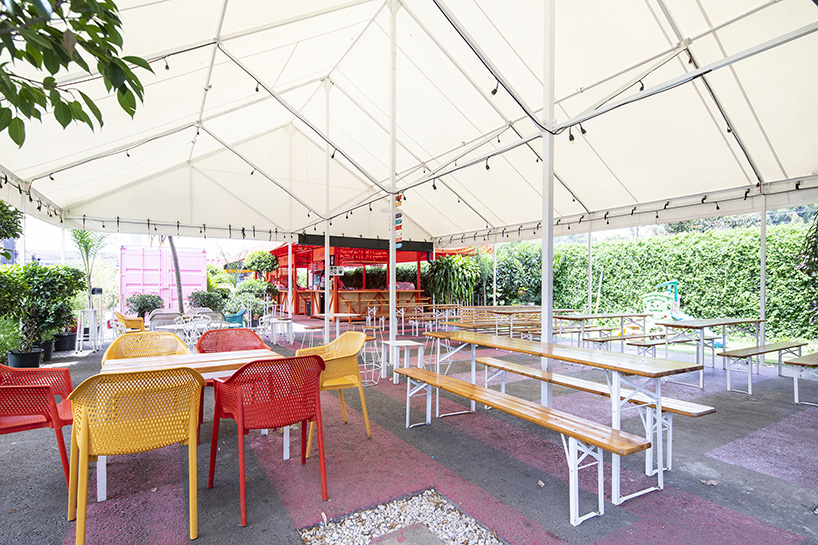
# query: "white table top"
[[402, 343]]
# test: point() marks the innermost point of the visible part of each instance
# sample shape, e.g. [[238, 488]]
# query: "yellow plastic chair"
[[126, 413], [145, 344], [341, 372], [132, 323]]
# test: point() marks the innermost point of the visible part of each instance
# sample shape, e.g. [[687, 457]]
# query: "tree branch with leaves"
[[52, 36]]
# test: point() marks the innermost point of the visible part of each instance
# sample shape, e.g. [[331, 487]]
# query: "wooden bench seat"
[[669, 406], [802, 363], [744, 356], [684, 408], [584, 438]]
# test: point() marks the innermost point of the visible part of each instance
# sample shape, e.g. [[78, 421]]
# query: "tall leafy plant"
[[10, 225], [809, 262], [89, 245], [38, 298], [452, 279]]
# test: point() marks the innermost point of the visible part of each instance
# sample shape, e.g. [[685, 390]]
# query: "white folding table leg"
[[102, 478]]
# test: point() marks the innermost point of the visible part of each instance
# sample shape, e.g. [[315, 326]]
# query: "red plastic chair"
[[27, 402], [269, 394], [229, 340]]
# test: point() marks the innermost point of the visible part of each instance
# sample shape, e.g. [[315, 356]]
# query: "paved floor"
[[746, 474]]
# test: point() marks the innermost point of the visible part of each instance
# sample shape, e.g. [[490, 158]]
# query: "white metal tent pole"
[[327, 86], [494, 293], [291, 276], [763, 313], [590, 271], [62, 246], [547, 313], [393, 168], [21, 258]]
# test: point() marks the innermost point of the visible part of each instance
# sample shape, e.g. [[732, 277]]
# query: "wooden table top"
[[516, 310], [710, 322], [627, 364], [203, 363], [581, 317], [807, 360]]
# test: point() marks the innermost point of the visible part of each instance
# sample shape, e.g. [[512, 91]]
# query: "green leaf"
[[5, 118], [91, 106], [51, 61], [113, 74], [32, 37], [126, 100], [62, 112], [138, 61], [17, 131]]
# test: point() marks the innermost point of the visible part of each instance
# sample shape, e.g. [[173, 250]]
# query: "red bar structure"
[[344, 252]]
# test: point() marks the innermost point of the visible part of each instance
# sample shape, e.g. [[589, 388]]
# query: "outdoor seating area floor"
[[746, 474]]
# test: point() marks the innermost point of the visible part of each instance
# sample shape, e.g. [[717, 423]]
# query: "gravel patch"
[[430, 508]]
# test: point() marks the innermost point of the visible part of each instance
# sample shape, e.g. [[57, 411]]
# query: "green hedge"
[[718, 274]]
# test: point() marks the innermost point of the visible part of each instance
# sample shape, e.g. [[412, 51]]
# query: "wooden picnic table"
[[703, 325], [212, 363], [641, 373]]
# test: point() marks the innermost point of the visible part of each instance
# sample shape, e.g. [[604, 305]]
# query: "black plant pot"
[[48, 348], [65, 341], [25, 359]]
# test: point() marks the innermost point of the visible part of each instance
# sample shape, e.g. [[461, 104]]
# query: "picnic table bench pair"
[[583, 440]]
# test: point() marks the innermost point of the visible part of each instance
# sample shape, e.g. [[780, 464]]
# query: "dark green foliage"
[[10, 226], [718, 274], [214, 300], [376, 276], [38, 297], [143, 303], [453, 279], [82, 34], [519, 273], [261, 262]]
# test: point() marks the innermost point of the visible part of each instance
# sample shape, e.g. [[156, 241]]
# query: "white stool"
[[310, 330], [394, 358], [88, 319], [371, 356]]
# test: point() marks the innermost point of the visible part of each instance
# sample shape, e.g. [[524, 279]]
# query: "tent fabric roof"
[[249, 100]]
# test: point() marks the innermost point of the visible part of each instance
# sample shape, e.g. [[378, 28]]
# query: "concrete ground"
[[746, 474]]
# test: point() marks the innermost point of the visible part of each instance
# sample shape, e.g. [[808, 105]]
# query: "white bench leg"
[[576, 452], [411, 392]]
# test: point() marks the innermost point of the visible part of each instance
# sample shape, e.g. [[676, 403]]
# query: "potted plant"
[[143, 303], [37, 297]]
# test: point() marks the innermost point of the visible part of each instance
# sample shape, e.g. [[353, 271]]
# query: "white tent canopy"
[[688, 109]]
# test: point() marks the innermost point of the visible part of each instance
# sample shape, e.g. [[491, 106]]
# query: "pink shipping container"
[[150, 270]]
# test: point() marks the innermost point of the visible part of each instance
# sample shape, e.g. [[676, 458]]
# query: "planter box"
[[25, 359], [64, 342], [48, 348]]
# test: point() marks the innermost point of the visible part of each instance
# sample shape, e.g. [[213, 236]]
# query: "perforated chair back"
[[229, 340], [124, 413], [27, 402], [138, 411], [270, 393], [340, 356], [342, 371], [145, 344], [275, 392]]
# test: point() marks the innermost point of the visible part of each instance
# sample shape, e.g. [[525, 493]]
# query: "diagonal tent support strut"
[[301, 118]]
